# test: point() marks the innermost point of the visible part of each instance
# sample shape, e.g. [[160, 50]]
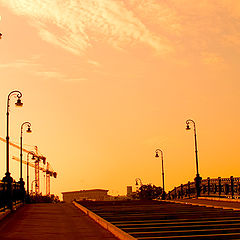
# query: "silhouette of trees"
[[149, 192]]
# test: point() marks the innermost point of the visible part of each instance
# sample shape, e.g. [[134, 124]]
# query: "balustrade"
[[10, 194], [215, 187]]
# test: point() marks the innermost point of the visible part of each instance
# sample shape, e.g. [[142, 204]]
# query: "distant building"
[[94, 194], [129, 191]]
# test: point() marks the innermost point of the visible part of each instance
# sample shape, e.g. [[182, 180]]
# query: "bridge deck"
[[51, 221], [231, 204], [166, 220]]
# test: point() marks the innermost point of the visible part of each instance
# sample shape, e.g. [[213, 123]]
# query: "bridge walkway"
[[221, 203], [51, 221], [151, 220]]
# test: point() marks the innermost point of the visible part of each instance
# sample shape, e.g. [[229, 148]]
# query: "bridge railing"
[[10, 195], [210, 187]]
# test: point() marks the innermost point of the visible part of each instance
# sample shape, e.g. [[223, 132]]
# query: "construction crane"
[[49, 173], [48, 170], [37, 167]]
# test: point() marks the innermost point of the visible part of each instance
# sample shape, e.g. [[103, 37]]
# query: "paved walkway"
[[60, 221]]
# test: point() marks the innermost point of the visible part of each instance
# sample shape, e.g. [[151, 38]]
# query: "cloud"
[[212, 59], [167, 26], [94, 63], [50, 74], [21, 63], [75, 79], [74, 25], [59, 76], [38, 70]]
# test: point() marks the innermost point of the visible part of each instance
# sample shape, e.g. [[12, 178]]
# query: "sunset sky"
[[106, 82]]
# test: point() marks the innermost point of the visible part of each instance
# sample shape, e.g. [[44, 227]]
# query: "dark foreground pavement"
[[60, 221]]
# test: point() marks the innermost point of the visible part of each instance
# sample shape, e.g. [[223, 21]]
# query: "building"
[[94, 195], [129, 191]]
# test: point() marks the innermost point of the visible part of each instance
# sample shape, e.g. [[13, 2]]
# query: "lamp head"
[[136, 183], [188, 127], [29, 130], [156, 155], [19, 103], [33, 157]]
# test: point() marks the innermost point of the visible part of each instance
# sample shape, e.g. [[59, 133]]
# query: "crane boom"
[[30, 164], [14, 145], [53, 173], [47, 170]]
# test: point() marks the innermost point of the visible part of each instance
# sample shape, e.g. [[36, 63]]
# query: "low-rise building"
[[93, 194]]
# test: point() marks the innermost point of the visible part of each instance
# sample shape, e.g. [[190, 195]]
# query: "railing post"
[[4, 194], [219, 186], [8, 193], [208, 183], [189, 189], [198, 180], [232, 186]]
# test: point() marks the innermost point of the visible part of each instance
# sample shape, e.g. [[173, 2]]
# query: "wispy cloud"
[[94, 63], [21, 63], [74, 19], [59, 76], [30, 65], [75, 79], [50, 74], [181, 26], [212, 58]]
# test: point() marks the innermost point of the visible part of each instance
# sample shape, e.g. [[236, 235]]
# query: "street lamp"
[[8, 179], [140, 181], [198, 178], [159, 150], [28, 124], [17, 94], [32, 185], [33, 157]]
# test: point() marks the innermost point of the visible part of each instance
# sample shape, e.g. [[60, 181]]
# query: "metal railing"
[[210, 187], [10, 194]]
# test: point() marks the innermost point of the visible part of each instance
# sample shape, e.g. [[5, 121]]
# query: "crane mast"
[[48, 170], [37, 178], [48, 181]]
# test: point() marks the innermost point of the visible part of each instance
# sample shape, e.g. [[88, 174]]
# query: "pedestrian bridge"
[[181, 219]]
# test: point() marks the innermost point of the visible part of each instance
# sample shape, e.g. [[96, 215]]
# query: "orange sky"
[[106, 82]]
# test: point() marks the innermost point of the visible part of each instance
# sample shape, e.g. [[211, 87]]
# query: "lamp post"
[[18, 104], [159, 150], [32, 185], [140, 181], [8, 179], [198, 178], [33, 157], [28, 124]]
